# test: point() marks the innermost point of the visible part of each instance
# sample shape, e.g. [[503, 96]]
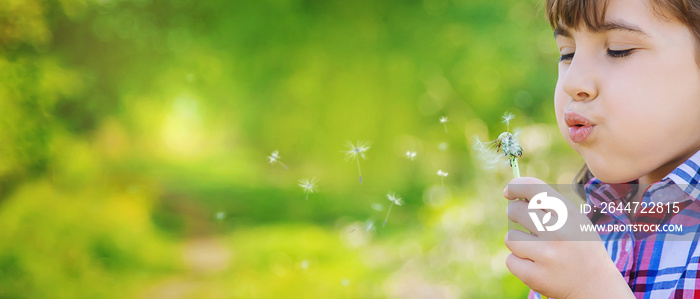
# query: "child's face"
[[643, 105]]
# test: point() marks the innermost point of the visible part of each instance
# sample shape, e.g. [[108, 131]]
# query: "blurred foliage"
[[135, 136]]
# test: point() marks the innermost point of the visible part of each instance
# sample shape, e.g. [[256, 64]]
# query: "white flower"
[[410, 155], [309, 186], [441, 173]]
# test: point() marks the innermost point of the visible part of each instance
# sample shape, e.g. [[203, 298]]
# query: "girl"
[[628, 101]]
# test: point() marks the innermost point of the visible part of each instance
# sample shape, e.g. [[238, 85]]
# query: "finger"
[[525, 188], [518, 212], [522, 244], [522, 268]]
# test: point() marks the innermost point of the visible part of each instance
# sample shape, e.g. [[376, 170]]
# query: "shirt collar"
[[687, 176], [598, 191]]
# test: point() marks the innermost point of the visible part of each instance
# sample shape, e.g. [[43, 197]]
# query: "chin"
[[605, 174]]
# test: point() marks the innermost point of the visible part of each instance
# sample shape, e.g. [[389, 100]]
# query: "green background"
[[134, 137]]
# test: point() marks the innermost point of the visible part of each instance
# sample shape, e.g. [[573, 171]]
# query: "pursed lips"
[[580, 127]]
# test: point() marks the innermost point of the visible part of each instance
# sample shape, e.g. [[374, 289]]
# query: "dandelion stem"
[[358, 169], [444, 125], [514, 165], [442, 179], [285, 166], [387, 215]]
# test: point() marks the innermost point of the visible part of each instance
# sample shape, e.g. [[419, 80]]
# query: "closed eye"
[[611, 53], [620, 53], [566, 57]]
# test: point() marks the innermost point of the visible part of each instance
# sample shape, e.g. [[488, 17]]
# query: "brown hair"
[[591, 15]]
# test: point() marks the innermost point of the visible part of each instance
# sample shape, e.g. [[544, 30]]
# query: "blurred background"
[[136, 137]]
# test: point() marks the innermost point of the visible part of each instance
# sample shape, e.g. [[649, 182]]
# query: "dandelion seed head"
[[394, 198], [509, 144], [441, 173], [356, 150], [506, 143], [309, 185], [443, 119], [220, 215], [304, 264]]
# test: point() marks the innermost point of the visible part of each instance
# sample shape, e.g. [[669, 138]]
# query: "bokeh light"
[[135, 140]]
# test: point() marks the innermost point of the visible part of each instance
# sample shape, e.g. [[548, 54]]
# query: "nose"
[[580, 81]]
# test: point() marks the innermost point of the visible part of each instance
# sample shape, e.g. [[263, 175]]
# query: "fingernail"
[[505, 192]]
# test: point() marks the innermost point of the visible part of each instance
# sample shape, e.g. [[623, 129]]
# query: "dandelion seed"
[[486, 153], [395, 200], [443, 121], [220, 216], [356, 152], [410, 155], [309, 186], [442, 175], [369, 225], [275, 158], [507, 117]]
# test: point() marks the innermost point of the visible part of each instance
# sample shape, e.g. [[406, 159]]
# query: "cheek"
[[560, 100], [659, 103]]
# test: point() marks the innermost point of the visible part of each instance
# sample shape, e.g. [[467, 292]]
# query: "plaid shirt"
[[659, 264]]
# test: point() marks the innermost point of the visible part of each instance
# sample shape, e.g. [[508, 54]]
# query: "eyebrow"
[[607, 26]]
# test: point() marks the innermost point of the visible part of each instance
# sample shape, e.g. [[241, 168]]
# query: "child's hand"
[[558, 263]]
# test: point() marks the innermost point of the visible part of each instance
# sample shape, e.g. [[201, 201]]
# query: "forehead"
[[634, 16]]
